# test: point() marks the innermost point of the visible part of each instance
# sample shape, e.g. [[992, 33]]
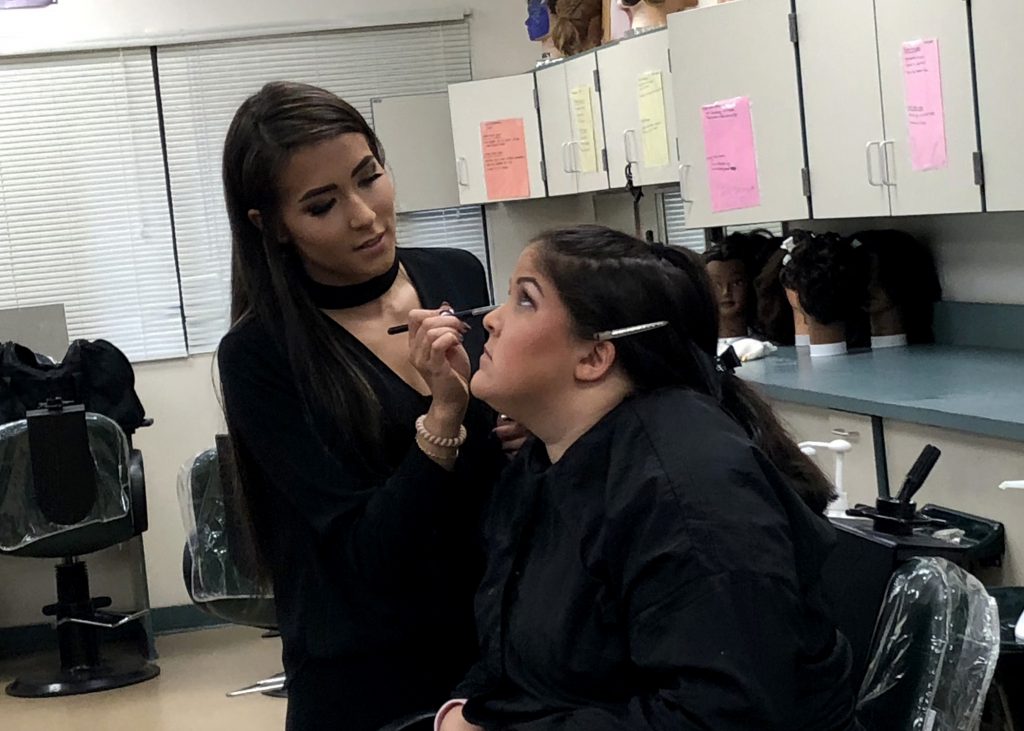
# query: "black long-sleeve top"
[[375, 573], [661, 575]]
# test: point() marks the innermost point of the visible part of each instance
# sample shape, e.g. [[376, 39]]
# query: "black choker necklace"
[[331, 297]]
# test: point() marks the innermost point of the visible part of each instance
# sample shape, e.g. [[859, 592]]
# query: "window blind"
[[83, 205], [676, 233], [459, 228], [201, 86]]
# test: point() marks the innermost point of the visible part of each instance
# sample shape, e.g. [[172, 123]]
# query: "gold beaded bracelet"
[[445, 442]]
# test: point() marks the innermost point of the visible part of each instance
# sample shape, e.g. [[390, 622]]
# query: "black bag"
[[95, 374]]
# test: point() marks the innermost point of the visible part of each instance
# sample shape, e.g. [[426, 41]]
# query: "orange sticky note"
[[506, 168]]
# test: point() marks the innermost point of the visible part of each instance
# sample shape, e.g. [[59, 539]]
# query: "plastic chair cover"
[[218, 565], [21, 520], [934, 652]]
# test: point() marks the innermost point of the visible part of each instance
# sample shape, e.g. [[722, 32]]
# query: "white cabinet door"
[[588, 148], [639, 110], [739, 49], [951, 187], [476, 105], [557, 128], [999, 58], [842, 108], [421, 164]]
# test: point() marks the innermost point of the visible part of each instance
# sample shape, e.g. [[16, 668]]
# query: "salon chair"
[[222, 572], [935, 651], [70, 485]]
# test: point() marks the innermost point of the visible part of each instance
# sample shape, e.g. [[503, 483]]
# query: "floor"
[[197, 668]]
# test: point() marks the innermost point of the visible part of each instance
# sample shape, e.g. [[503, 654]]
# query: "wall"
[[500, 45], [180, 394], [510, 226]]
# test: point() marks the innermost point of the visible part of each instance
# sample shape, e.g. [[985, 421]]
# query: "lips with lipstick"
[[373, 243]]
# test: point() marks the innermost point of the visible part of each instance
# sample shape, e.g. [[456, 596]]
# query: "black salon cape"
[[661, 575], [373, 574]]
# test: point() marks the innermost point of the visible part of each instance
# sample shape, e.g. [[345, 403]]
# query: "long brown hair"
[[608, 279], [267, 277]]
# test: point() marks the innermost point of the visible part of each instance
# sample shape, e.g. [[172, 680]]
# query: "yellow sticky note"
[[583, 117], [654, 127]]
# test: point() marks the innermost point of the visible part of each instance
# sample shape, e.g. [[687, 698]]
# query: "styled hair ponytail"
[[608, 279]]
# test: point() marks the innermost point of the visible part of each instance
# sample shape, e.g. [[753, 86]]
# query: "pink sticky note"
[[926, 117], [731, 156], [506, 168]]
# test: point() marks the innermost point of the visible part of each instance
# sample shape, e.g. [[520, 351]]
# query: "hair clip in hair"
[[855, 243], [728, 361], [788, 245], [624, 332]]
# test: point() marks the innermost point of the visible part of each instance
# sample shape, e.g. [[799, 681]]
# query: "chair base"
[[106, 676]]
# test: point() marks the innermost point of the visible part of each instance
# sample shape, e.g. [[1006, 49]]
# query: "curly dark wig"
[[907, 275], [829, 275]]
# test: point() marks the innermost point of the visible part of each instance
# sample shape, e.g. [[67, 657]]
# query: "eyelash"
[[523, 299], [322, 209], [367, 182]]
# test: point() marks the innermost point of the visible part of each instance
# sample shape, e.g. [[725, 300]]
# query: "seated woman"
[[655, 551]]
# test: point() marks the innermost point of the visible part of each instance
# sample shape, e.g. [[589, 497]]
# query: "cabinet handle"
[[684, 173], [890, 180], [867, 155], [846, 434], [565, 158], [461, 164], [626, 136], [577, 164]]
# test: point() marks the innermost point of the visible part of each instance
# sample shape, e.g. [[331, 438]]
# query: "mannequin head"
[[575, 25], [730, 283], [644, 14], [800, 327], [903, 285], [830, 282]]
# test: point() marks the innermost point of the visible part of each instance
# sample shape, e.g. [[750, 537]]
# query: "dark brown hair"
[[267, 276], [608, 279]]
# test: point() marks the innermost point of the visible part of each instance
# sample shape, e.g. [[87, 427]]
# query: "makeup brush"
[[475, 312]]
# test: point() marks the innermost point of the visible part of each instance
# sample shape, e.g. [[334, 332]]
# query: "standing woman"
[[363, 459]]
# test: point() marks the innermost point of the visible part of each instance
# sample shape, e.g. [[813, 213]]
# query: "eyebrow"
[[531, 280], [317, 191], [362, 164], [328, 188]]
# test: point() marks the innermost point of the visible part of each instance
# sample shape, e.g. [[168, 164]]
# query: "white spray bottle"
[[839, 447]]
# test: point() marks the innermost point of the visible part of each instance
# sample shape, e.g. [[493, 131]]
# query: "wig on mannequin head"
[[575, 25], [734, 248], [908, 278], [770, 315], [830, 276], [774, 315]]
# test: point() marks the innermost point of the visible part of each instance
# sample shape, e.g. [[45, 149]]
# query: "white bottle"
[[839, 447]]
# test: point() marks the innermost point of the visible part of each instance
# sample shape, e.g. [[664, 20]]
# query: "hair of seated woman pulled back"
[[608, 279]]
